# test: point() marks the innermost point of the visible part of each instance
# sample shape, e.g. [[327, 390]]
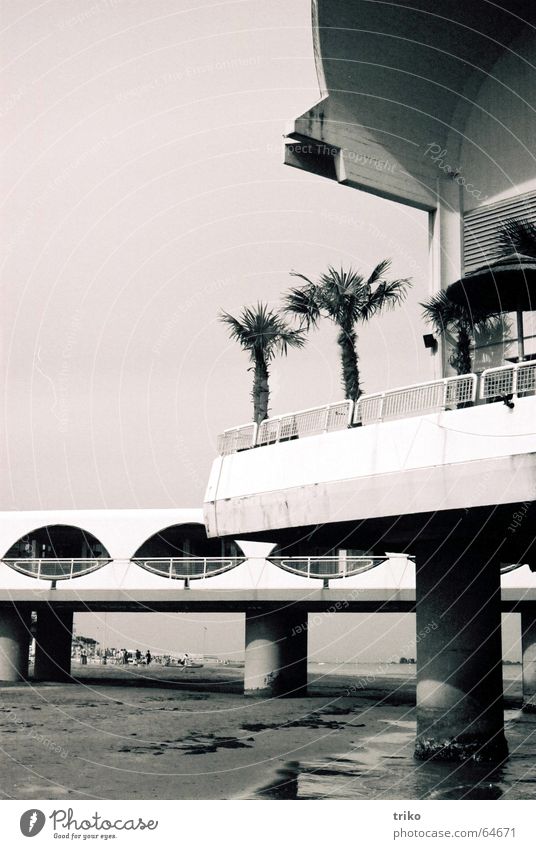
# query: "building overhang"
[[399, 81], [385, 484]]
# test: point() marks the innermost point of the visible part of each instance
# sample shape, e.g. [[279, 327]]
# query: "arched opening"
[[185, 552], [57, 552]]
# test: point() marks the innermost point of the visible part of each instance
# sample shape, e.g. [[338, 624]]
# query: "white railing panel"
[[56, 568], [187, 568], [237, 439], [526, 377], [327, 567], [496, 382], [305, 423], [460, 389], [268, 431], [368, 408]]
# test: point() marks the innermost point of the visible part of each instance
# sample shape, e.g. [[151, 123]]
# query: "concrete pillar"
[[446, 225], [528, 655], [459, 655], [276, 653], [14, 643], [53, 644]]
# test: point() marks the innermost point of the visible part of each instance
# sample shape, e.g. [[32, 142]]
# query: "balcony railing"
[[56, 568], [403, 402], [416, 399], [516, 379], [327, 567], [188, 568]]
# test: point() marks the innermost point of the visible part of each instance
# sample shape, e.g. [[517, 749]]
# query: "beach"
[[185, 733]]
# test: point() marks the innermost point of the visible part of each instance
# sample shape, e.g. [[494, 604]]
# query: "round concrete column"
[[53, 645], [459, 656], [276, 653], [14, 643], [528, 649]]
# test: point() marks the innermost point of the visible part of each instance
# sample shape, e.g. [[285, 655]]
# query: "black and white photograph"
[[268, 426]]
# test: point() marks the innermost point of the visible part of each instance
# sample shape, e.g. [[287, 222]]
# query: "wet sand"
[[172, 733]]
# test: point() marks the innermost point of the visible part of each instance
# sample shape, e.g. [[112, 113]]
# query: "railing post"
[[255, 432], [326, 421], [382, 399], [514, 379]]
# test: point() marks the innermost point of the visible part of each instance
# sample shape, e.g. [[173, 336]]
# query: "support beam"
[[459, 654], [15, 636], [528, 654], [276, 653], [53, 645]]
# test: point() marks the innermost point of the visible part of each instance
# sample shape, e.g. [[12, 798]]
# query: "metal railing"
[[327, 567], [187, 568], [417, 399], [56, 568], [237, 439], [515, 379], [305, 423]]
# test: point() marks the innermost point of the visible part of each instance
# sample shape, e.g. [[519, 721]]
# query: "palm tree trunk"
[[350, 370], [460, 360], [261, 389]]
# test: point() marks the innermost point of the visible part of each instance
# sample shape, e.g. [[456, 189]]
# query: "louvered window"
[[481, 226]]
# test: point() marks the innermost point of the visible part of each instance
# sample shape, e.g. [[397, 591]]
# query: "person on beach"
[[148, 657], [138, 657]]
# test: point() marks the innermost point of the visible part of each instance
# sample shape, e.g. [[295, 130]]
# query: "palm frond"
[[262, 332], [387, 295], [379, 272], [517, 235], [302, 302]]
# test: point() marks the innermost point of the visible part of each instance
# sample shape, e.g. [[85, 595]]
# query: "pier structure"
[[430, 113], [111, 561]]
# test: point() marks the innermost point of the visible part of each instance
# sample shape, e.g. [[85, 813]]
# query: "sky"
[[143, 191]]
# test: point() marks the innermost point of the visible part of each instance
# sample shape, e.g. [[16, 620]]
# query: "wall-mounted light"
[[430, 341]]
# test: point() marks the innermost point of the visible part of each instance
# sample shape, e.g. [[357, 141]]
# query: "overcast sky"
[[142, 191]]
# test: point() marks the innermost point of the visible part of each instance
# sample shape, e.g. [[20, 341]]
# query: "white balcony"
[[440, 446]]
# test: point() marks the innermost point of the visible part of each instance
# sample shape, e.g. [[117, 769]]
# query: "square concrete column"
[[459, 654], [276, 652], [53, 640], [528, 650], [15, 634]]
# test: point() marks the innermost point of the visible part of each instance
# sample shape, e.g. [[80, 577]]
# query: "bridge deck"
[[349, 600]]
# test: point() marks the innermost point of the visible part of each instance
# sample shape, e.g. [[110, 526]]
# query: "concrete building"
[[431, 107]]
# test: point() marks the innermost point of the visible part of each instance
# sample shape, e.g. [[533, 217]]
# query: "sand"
[[188, 733]]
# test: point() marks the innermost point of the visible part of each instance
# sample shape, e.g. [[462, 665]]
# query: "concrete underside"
[[352, 600]]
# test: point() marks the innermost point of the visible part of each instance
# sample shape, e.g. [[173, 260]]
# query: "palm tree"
[[346, 298], [458, 324], [263, 333], [517, 235]]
